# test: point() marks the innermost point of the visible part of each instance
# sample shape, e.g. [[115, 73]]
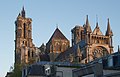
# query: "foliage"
[[17, 71]]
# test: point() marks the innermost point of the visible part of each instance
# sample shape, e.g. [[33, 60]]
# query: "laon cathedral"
[[87, 44]]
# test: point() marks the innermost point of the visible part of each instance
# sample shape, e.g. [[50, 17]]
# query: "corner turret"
[[109, 31], [87, 27]]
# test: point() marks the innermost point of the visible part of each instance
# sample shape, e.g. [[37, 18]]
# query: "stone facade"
[[88, 45], [24, 47], [58, 43]]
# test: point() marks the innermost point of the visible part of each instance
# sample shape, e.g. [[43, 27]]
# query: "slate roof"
[[71, 50], [36, 70], [44, 57], [58, 35]]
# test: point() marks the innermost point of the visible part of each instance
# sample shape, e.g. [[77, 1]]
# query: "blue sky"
[[46, 14]]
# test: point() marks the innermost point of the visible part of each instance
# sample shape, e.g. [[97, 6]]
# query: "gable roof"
[[58, 35], [97, 30]]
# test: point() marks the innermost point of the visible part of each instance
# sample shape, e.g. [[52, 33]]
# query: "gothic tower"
[[24, 47], [93, 44]]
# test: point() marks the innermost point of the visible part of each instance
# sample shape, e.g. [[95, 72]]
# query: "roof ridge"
[[58, 35]]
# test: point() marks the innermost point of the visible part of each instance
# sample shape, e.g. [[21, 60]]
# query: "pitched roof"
[[97, 30], [58, 35], [44, 57], [36, 70], [109, 31], [88, 28], [71, 50]]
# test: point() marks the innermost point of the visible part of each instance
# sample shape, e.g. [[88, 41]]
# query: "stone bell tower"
[[24, 47]]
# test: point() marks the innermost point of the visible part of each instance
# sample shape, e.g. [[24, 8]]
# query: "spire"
[[97, 21], [88, 28], [109, 31], [97, 25], [23, 12]]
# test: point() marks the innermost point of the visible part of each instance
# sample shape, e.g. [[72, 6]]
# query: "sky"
[[47, 14]]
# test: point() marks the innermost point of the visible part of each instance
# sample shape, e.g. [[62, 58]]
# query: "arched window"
[[24, 25], [99, 52], [26, 43], [64, 46], [32, 54], [19, 32], [77, 33], [57, 47], [28, 53], [29, 33]]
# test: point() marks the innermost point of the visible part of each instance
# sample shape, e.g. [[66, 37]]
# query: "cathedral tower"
[[93, 44], [24, 47]]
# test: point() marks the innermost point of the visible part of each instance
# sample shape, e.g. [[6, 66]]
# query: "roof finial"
[[96, 21], [96, 18], [23, 12], [23, 8], [87, 19], [56, 26]]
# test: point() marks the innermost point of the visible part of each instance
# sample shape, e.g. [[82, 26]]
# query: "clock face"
[[99, 52]]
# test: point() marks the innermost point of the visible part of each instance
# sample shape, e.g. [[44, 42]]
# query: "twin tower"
[[90, 44]]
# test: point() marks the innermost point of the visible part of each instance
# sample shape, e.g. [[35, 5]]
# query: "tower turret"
[[109, 31], [87, 27], [88, 31], [78, 54]]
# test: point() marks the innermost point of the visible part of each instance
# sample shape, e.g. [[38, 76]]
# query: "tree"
[[17, 72]]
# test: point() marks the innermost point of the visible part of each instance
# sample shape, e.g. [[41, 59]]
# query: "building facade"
[[25, 50], [58, 43], [88, 45]]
